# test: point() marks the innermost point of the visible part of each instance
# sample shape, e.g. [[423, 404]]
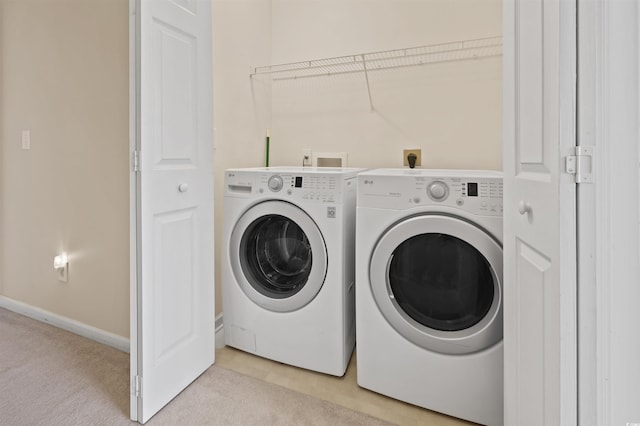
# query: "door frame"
[[608, 213]]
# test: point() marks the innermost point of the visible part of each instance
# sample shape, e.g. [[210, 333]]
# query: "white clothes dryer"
[[429, 289], [288, 264]]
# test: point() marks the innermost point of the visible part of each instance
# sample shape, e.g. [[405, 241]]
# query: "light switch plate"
[[26, 139]]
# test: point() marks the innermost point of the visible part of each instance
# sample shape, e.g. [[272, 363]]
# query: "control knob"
[[438, 190], [275, 183]]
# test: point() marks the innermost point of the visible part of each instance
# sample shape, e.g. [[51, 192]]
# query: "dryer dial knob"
[[438, 190], [275, 183]]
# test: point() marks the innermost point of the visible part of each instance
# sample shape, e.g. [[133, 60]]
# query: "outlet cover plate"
[[416, 151]]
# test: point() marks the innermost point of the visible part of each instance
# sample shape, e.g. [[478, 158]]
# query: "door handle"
[[183, 187], [524, 207]]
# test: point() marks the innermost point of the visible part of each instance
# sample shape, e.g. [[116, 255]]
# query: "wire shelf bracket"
[[384, 60]]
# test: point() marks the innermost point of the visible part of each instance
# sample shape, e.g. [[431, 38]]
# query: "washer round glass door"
[[278, 256], [438, 281]]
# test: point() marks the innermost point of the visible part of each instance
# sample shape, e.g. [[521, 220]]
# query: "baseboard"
[[84, 330], [219, 332], [73, 326]]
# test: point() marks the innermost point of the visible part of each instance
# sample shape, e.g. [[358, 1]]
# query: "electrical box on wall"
[[329, 159], [416, 157]]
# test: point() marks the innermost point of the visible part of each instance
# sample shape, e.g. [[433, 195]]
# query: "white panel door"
[[539, 213], [173, 341]]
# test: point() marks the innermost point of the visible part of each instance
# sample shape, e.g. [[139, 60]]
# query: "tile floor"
[[340, 390]]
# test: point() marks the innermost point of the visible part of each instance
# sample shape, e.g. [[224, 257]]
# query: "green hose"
[[266, 160]]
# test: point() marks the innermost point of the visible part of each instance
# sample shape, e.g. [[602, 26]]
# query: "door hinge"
[[136, 161], [138, 386], [580, 164]]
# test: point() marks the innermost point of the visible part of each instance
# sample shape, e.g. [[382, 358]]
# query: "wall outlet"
[[61, 265], [63, 273], [405, 156]]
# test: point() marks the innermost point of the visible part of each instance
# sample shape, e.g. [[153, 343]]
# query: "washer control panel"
[[303, 187], [476, 194]]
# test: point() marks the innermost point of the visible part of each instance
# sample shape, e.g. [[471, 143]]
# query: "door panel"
[[174, 236], [177, 106], [173, 340], [539, 212], [531, 269], [530, 140]]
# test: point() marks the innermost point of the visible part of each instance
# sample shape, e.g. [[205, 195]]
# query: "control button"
[[275, 183], [459, 201], [289, 192], [416, 200], [438, 190]]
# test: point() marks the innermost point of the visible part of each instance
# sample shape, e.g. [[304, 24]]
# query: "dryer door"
[[438, 281], [278, 256]]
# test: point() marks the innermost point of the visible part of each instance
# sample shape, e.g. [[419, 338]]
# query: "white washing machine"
[[288, 268], [429, 289]]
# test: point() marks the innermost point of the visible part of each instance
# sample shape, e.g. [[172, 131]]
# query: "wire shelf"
[[383, 60]]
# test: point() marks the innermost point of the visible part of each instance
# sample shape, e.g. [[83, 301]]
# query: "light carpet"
[[49, 376]]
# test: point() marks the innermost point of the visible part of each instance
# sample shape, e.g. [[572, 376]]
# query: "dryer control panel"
[[476, 194]]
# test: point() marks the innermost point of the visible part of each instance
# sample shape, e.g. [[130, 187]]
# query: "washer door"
[[278, 256], [438, 281]]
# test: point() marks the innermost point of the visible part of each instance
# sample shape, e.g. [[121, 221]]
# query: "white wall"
[[65, 78], [451, 110]]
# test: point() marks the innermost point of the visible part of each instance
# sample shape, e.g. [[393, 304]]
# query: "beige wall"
[[65, 78], [452, 111], [242, 107], [2, 26]]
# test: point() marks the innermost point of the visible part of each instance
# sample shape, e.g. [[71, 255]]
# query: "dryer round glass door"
[[278, 256], [438, 281]]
